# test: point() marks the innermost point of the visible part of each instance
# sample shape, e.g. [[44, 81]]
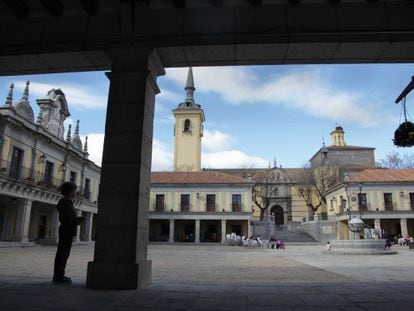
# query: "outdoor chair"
[[262, 243], [252, 243]]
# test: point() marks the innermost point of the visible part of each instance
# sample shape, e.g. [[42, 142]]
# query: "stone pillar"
[[88, 227], [377, 226], [404, 228], [197, 231], [54, 227], [23, 220], [122, 230], [249, 229], [172, 229], [78, 228], [223, 231]]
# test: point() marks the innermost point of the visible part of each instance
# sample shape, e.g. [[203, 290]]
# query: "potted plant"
[[404, 135]]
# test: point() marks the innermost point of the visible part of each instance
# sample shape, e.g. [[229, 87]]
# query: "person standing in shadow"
[[67, 230]]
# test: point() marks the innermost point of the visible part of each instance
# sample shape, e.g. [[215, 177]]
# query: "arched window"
[[187, 125]]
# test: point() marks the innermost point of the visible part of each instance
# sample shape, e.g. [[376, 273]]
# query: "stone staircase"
[[294, 237]]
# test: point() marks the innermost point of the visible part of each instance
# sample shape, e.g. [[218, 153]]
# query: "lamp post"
[[360, 207]]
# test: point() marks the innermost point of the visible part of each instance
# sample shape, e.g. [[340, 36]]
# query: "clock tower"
[[188, 130]]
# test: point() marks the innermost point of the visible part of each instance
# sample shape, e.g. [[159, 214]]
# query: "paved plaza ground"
[[190, 277]]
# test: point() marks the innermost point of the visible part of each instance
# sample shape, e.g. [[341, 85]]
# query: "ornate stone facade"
[[34, 161]]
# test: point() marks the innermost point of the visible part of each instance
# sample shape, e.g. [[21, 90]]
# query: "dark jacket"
[[67, 217]]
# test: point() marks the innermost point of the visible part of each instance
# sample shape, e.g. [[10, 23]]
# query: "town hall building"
[[36, 157]]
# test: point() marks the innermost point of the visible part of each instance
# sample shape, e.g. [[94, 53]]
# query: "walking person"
[[387, 238], [67, 230]]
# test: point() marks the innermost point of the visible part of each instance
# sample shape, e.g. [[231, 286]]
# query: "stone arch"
[[187, 125]]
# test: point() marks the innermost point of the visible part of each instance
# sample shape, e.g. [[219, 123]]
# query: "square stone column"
[[197, 231], [172, 229], [78, 228], [223, 231], [88, 227], [404, 228], [54, 230], [23, 220], [249, 229], [122, 229], [377, 226]]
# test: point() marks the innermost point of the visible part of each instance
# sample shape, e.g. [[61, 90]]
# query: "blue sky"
[[253, 113]]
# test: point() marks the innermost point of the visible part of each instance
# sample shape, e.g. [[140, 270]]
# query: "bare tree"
[[313, 184], [395, 160], [263, 190]]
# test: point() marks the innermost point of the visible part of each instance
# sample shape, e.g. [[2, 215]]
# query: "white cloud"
[[95, 146], [216, 141], [163, 115], [67, 122], [170, 96], [306, 91], [78, 96], [163, 156], [231, 159]]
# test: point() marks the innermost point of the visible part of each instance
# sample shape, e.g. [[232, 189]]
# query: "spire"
[[69, 136], [189, 86], [9, 98], [274, 162], [77, 129], [25, 97], [85, 146]]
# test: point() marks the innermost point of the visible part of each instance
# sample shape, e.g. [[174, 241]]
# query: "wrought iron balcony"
[[37, 179]]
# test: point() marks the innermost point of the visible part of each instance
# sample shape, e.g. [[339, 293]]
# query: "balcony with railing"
[[37, 179]]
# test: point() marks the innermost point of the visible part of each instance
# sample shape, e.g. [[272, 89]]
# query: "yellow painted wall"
[[6, 149], [199, 205], [375, 198], [299, 208]]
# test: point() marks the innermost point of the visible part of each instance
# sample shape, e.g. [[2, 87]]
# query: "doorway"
[[279, 215], [48, 174], [42, 227], [16, 163], [184, 231], [210, 231]]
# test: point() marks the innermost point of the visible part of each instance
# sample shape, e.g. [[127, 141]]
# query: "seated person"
[[272, 241], [280, 244]]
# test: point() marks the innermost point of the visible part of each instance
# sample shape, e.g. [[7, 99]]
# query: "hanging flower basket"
[[404, 135]]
